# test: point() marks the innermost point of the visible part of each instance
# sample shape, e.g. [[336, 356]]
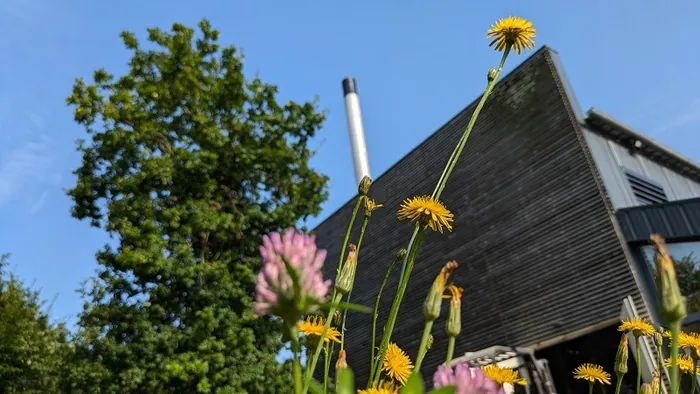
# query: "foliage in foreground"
[[188, 164], [33, 351]]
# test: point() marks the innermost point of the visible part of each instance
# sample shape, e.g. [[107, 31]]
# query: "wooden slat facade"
[[540, 254]]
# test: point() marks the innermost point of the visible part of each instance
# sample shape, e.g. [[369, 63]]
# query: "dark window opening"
[[600, 348], [646, 191]]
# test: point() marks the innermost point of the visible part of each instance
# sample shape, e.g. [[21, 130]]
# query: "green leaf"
[[444, 390], [414, 385], [347, 306], [345, 381], [315, 387]]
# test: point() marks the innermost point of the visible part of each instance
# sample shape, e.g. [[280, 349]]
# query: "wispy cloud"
[[39, 203], [22, 167], [688, 116]]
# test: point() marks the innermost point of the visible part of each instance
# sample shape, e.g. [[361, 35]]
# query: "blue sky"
[[417, 64]]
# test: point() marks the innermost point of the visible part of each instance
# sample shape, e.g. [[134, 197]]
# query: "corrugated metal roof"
[[676, 221]]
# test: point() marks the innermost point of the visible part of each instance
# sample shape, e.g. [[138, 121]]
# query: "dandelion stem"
[[417, 236], [450, 350], [345, 312], [393, 312], [294, 335], [675, 381], [638, 345], [347, 237], [375, 315], [319, 346], [423, 348], [311, 363], [327, 361], [452, 162], [619, 383], [590, 388], [695, 374], [659, 362]]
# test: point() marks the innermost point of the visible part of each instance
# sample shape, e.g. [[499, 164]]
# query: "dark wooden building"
[[543, 261]]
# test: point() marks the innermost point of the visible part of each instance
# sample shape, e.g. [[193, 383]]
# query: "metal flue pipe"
[[357, 132]]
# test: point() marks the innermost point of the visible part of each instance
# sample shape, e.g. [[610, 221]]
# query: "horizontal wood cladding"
[[539, 256]]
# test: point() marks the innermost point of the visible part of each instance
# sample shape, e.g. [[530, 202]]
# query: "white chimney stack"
[[357, 132]]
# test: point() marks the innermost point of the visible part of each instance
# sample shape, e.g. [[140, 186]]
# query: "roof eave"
[[638, 142]]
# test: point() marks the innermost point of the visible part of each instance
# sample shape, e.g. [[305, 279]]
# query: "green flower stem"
[[327, 364], [413, 246], [590, 387], [452, 162], [418, 233], [375, 315], [619, 383], [294, 335], [659, 362], [450, 350], [312, 360], [695, 375], [675, 378], [423, 348], [638, 345], [347, 237], [319, 346], [345, 312]]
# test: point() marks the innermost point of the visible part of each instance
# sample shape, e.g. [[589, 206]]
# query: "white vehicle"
[[536, 372]]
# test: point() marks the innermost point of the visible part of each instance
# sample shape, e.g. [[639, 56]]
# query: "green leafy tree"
[[188, 164], [689, 281], [33, 351]]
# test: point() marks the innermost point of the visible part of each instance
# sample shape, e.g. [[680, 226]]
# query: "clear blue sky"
[[417, 64]]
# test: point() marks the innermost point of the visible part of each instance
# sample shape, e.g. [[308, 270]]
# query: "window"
[[645, 191]]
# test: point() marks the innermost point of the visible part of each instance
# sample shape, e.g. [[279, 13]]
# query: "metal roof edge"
[[612, 128]]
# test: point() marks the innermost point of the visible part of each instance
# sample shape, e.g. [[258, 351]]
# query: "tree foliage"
[[688, 273], [32, 350], [188, 164]]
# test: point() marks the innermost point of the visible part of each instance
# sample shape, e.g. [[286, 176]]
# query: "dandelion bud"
[[621, 357], [492, 74], [401, 254], [341, 362], [671, 301], [365, 183], [347, 274], [646, 389], [335, 321], [431, 306], [454, 319], [658, 339]]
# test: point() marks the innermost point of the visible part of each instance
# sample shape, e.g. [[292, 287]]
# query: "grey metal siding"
[[540, 256], [675, 221], [611, 158]]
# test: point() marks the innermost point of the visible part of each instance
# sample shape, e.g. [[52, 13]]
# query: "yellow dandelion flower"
[[397, 364], [514, 32], [685, 363], [426, 210], [313, 326], [637, 326], [503, 375], [384, 388], [370, 205], [689, 341], [592, 373]]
